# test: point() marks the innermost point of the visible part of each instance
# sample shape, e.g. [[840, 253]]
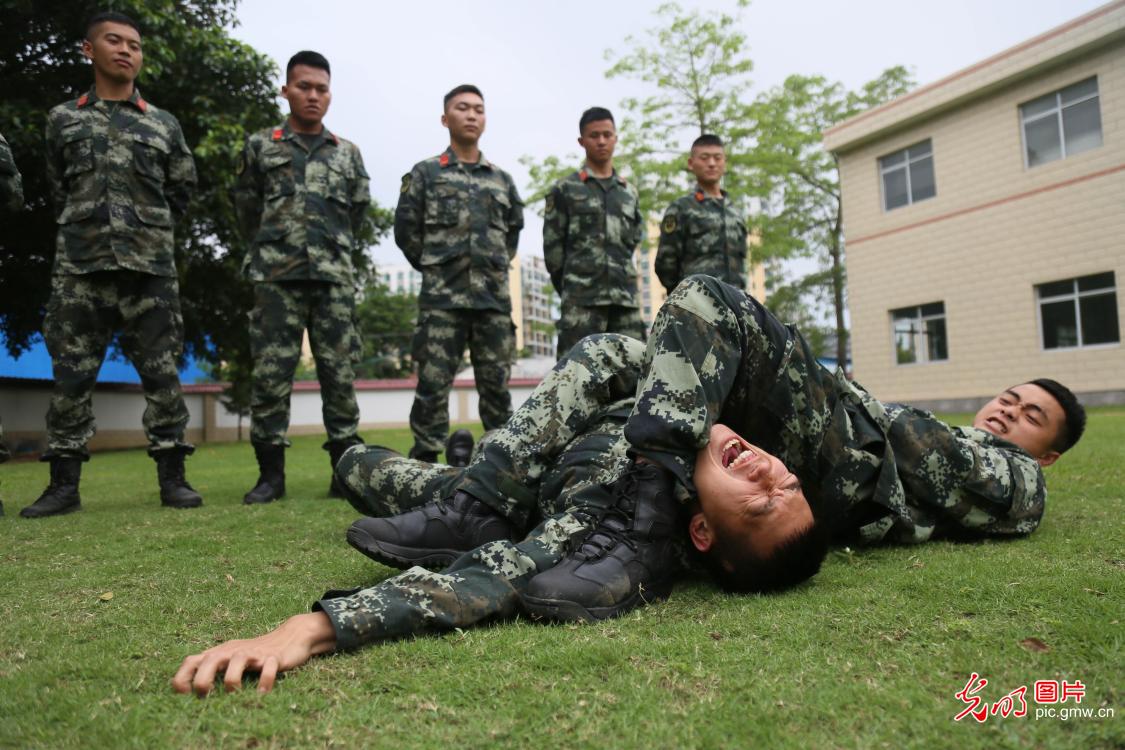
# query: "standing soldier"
[[120, 175], [458, 221], [703, 232], [11, 199], [302, 199], [591, 227]]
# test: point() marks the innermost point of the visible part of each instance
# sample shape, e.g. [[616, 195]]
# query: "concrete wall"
[[118, 410]]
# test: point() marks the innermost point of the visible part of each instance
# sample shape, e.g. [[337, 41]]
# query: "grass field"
[[101, 606]]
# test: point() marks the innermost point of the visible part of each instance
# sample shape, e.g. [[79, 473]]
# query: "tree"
[[799, 184], [386, 330], [219, 88]]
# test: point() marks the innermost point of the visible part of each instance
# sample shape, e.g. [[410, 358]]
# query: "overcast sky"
[[541, 63]]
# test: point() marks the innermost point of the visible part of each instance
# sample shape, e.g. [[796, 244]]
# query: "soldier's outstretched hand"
[[292, 644]]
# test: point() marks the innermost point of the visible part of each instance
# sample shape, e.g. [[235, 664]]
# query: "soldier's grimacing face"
[[309, 92], [708, 164], [115, 51], [747, 493], [598, 138], [1026, 415], [464, 116]]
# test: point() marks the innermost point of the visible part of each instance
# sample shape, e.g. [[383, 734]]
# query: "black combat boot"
[[629, 559], [336, 450], [433, 535], [271, 474], [459, 448], [420, 454], [175, 492], [61, 495]]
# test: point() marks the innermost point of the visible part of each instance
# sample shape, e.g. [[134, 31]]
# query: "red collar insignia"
[[443, 160], [699, 196], [277, 134], [83, 100], [142, 105], [583, 175]]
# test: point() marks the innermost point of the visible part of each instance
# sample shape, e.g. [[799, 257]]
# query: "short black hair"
[[309, 58], [110, 16], [594, 114], [464, 88], [738, 569], [1074, 412], [707, 139]]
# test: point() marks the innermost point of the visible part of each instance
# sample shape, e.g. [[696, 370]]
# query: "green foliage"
[[869, 655], [386, 328]]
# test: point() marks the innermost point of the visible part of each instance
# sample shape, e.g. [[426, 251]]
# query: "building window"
[[919, 334], [1062, 123], [908, 175], [1079, 312]]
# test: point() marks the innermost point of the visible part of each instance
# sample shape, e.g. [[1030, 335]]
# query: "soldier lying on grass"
[[618, 480]]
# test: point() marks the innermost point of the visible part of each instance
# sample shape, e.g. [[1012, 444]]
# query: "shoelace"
[[614, 527]]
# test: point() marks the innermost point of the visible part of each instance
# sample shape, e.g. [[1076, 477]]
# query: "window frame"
[[1057, 112], [905, 166], [920, 319], [1075, 295]]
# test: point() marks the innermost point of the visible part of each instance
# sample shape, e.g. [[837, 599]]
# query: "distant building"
[[984, 222], [401, 279]]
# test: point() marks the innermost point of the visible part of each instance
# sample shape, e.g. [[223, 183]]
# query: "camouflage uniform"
[[547, 465], [879, 472], [702, 234], [459, 224], [11, 184], [589, 235], [121, 175], [300, 205], [876, 471]]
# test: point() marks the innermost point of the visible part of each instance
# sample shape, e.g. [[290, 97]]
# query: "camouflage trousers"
[[439, 343], [282, 312], [549, 466], [82, 315], [578, 321]]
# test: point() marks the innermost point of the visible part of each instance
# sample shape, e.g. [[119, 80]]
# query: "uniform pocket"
[[499, 208], [78, 149], [156, 216], [443, 205], [277, 172], [150, 155]]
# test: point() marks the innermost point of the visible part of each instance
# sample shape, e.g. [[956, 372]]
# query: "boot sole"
[[397, 556], [63, 512], [561, 610]]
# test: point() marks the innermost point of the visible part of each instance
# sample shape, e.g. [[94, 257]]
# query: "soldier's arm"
[[248, 193], [515, 219], [1003, 494], [670, 251], [555, 221], [11, 184], [180, 185], [56, 166], [410, 217], [360, 194]]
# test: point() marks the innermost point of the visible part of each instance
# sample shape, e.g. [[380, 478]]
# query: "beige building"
[[985, 223]]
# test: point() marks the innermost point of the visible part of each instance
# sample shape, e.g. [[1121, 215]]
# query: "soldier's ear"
[[701, 534], [1048, 458], [88, 50]]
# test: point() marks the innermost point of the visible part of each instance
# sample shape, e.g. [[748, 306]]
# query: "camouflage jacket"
[[877, 471], [11, 185], [300, 208], [459, 224], [121, 175], [589, 235], [702, 234]]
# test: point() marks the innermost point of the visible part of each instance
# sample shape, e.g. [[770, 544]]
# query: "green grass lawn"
[[869, 655]]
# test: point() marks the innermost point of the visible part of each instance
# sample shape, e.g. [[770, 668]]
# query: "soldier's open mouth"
[[735, 453], [998, 425]]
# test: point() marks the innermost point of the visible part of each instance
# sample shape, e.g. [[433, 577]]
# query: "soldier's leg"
[[276, 323], [626, 321], [576, 323], [335, 348], [713, 356], [378, 481], [438, 345], [491, 342], [152, 339], [81, 317]]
